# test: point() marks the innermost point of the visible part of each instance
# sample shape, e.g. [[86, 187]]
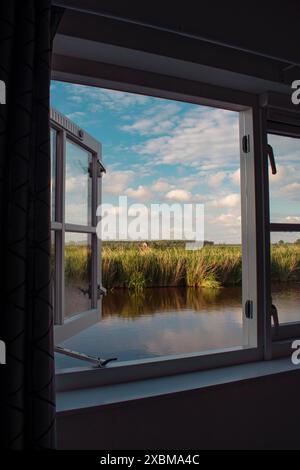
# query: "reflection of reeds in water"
[[129, 304]]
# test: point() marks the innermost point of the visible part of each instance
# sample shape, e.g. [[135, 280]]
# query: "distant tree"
[[297, 242], [281, 242]]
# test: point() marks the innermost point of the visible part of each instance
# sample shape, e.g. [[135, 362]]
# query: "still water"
[[166, 321]]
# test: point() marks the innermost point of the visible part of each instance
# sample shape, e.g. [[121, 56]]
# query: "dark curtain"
[[26, 320]]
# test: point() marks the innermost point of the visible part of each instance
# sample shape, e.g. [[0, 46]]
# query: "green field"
[[134, 267]]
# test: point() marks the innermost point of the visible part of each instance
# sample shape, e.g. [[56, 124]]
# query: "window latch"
[[246, 143], [275, 318], [272, 159], [100, 291], [249, 309]]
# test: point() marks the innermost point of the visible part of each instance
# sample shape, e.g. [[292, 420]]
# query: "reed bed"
[[212, 267]]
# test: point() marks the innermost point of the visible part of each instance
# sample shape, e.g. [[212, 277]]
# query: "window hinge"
[[90, 169], [99, 169], [246, 143], [249, 309]]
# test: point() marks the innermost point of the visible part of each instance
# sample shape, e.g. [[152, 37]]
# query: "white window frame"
[[278, 116], [250, 125]]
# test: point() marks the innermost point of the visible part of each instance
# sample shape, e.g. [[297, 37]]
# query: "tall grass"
[[161, 267], [212, 267], [285, 264]]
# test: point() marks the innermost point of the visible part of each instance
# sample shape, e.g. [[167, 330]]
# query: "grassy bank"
[[213, 266]]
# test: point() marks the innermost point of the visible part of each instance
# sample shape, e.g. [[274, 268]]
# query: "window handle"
[[272, 159], [274, 316], [249, 309]]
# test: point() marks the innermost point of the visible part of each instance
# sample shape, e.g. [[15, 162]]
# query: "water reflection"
[[286, 297], [162, 321], [125, 304], [166, 321]]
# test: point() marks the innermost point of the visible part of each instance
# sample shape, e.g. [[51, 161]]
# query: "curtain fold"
[[26, 319]]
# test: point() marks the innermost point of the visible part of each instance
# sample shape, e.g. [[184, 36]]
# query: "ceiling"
[[247, 43]]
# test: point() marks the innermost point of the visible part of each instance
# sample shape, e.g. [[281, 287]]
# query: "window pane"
[[285, 274], [53, 267], [77, 273], [285, 185], [78, 185], [53, 140]]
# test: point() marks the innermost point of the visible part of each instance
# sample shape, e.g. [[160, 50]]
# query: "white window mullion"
[[249, 280]]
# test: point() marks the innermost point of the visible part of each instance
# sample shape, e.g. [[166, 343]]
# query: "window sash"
[[279, 339], [65, 328]]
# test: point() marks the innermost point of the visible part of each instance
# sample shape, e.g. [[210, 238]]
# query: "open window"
[[76, 256], [221, 155], [283, 224]]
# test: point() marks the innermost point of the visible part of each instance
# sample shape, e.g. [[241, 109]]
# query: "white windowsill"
[[82, 400]]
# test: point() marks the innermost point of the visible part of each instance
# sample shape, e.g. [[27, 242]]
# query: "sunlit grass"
[[215, 266]]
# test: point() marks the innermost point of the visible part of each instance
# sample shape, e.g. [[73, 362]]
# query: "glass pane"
[[77, 273], [53, 140], [53, 267], [285, 185], [285, 275], [78, 185]]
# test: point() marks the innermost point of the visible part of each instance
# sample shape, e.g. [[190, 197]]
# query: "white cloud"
[[76, 98], [75, 184], [228, 219], [292, 219], [204, 137], [231, 200], [236, 177], [157, 119], [216, 179], [116, 182], [141, 192], [286, 192], [161, 186], [76, 114], [178, 195], [99, 99], [147, 126]]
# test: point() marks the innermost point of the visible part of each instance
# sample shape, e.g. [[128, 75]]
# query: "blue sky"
[[158, 150]]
